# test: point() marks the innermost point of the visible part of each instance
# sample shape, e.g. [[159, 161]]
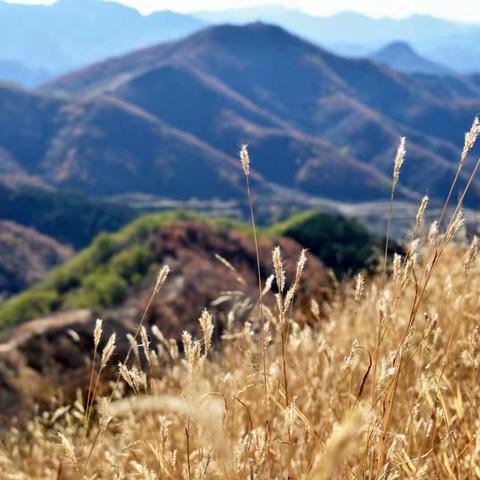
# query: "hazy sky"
[[463, 10]]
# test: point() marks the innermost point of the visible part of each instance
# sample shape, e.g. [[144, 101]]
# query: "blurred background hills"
[[37, 41]]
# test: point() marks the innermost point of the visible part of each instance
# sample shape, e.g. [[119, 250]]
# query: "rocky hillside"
[[114, 278], [168, 121], [313, 120], [26, 257], [118, 270]]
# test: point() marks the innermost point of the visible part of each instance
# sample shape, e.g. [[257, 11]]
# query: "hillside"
[[90, 30], [376, 375], [106, 146], [116, 271], [401, 56], [138, 124], [321, 117], [26, 257], [113, 278]]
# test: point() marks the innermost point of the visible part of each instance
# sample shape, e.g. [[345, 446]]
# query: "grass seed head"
[[399, 159], [108, 350], [161, 278], [245, 158]]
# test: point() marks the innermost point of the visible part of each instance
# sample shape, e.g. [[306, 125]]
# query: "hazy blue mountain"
[[401, 56], [15, 72], [455, 45], [168, 121], [72, 33]]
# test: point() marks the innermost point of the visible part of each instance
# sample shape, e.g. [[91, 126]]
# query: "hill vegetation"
[[344, 245], [97, 277], [115, 265]]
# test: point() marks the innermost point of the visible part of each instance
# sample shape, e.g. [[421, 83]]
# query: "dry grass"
[[385, 385]]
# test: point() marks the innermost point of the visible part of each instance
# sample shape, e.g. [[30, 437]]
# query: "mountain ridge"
[[30, 33], [401, 56], [348, 33], [220, 51], [313, 120]]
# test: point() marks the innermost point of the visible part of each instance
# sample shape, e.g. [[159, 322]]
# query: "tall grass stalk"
[[245, 159]]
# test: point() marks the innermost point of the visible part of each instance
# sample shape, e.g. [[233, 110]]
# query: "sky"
[[459, 10]]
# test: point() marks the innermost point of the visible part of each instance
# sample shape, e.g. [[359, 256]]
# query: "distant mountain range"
[[16, 72], [72, 33], [454, 45], [169, 120], [401, 56], [39, 42], [26, 256]]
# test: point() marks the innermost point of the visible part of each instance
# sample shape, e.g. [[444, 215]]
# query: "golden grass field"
[[384, 385]]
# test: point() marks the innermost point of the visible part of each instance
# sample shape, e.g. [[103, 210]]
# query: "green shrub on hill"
[[343, 244], [99, 276], [33, 303]]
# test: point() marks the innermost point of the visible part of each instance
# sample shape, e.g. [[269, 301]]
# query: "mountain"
[[50, 352], [342, 28], [455, 45], [106, 146], [117, 271], [168, 121], [51, 324], [314, 120], [15, 72], [400, 56], [26, 256], [71, 33]]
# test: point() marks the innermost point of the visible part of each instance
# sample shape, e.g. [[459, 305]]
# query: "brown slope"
[[109, 147], [105, 145], [274, 69], [197, 103], [27, 122], [226, 119], [431, 162], [300, 85], [281, 151], [43, 358], [287, 76], [449, 87], [26, 256]]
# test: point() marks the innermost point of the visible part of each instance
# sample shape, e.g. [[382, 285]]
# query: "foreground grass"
[[383, 385], [207, 415]]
